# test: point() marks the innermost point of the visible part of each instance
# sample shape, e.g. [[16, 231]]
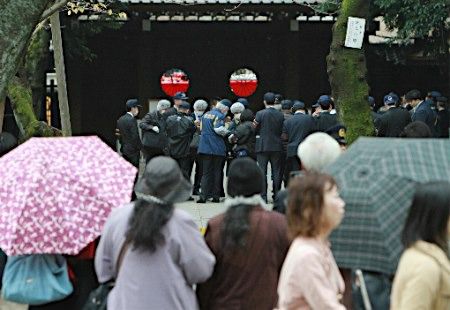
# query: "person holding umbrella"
[[163, 252], [422, 280], [310, 278]]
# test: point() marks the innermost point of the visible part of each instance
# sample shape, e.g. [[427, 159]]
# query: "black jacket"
[[245, 134], [325, 121], [150, 138], [425, 113], [443, 123], [129, 136], [180, 129], [392, 122], [297, 128], [269, 128]]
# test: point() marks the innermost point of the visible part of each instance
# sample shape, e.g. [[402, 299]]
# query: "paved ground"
[[203, 212]]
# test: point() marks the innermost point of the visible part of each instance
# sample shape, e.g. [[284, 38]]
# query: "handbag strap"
[[123, 249]]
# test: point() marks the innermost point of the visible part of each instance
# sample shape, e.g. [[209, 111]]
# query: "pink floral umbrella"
[[56, 193]]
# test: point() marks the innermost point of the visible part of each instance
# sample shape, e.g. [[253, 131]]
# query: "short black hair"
[[417, 129], [245, 178], [428, 216]]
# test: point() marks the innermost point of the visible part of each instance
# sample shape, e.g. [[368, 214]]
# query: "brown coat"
[[246, 278]]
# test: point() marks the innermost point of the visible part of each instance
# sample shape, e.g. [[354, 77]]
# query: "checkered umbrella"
[[377, 179]]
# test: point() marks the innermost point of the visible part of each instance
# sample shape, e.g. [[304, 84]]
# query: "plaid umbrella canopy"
[[377, 178], [56, 193]]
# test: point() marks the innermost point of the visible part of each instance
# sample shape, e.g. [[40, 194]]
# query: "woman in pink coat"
[[310, 278]]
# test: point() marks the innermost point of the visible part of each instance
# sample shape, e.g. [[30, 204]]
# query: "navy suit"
[[325, 120], [424, 113], [296, 129], [269, 147]]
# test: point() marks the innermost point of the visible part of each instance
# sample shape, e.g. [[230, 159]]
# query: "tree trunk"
[[2, 113], [36, 64], [347, 75], [20, 97], [17, 22], [60, 75]]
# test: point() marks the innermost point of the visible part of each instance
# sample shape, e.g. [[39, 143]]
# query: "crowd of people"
[[152, 255], [253, 258], [212, 134]]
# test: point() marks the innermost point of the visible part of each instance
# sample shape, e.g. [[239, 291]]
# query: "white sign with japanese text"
[[355, 32]]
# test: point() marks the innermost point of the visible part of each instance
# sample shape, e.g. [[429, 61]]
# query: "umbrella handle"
[[365, 295]]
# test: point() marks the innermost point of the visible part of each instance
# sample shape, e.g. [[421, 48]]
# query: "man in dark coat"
[[443, 118], [324, 118], [269, 148], [422, 109], [392, 123], [154, 138], [295, 130], [180, 128], [129, 134]]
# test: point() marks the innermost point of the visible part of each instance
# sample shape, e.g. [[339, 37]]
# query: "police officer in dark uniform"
[[295, 130], [324, 118], [129, 134], [180, 128], [392, 123], [269, 147], [178, 99]]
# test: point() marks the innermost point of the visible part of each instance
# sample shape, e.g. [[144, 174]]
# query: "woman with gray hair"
[[236, 109], [317, 151], [200, 107]]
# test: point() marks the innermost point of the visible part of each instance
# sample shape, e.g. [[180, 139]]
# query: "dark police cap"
[[133, 103], [226, 102], [180, 96], [434, 94], [391, 99], [244, 101], [338, 132], [324, 101]]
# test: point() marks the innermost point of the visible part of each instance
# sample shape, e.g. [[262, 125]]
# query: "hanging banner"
[[355, 32]]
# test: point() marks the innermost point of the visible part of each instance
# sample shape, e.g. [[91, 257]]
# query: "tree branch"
[[54, 8]]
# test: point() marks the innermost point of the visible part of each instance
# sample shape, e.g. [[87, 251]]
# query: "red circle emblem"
[[173, 81], [243, 82]]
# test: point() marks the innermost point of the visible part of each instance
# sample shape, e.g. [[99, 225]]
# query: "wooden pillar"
[[60, 75]]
